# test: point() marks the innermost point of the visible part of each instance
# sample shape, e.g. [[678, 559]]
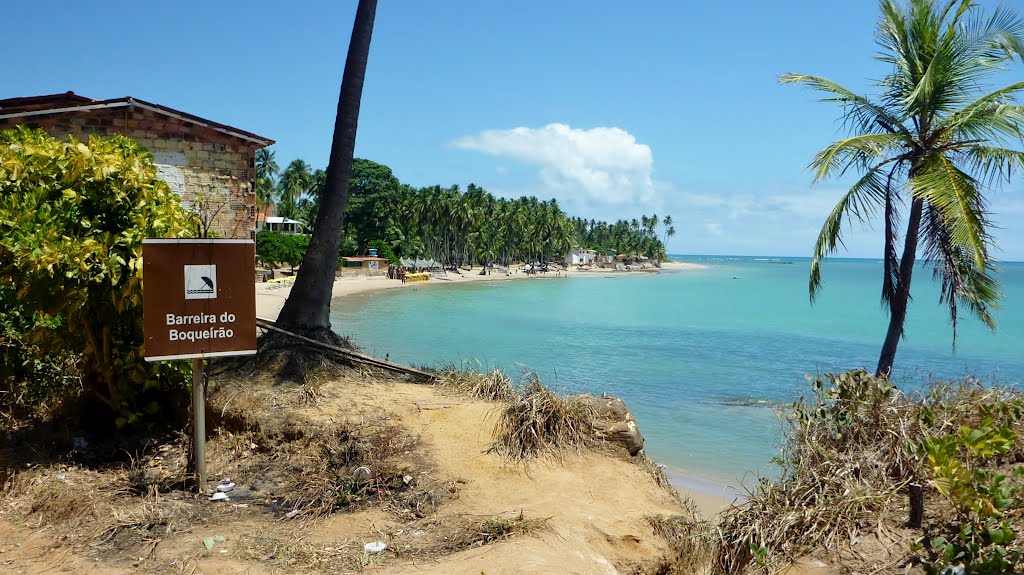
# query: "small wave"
[[744, 402]]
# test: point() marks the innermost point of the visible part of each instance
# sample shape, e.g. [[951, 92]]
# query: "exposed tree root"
[[292, 360]]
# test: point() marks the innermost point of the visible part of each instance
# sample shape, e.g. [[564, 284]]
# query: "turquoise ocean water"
[[705, 357]]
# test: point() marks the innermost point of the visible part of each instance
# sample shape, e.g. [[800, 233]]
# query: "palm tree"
[[307, 309], [266, 176], [932, 141], [296, 181]]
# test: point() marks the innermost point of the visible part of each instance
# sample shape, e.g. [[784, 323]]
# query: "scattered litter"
[[225, 487], [209, 542], [407, 479], [292, 514], [375, 547], [219, 496], [62, 476], [362, 472]]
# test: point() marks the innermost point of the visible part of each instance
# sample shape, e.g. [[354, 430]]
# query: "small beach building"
[[363, 265], [201, 160], [580, 257], [278, 224]]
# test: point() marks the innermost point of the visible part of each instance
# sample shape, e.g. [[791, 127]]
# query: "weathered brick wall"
[[211, 171]]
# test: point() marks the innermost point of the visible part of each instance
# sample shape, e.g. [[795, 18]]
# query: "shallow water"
[[704, 358]]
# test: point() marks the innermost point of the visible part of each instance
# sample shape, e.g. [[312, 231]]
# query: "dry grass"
[[540, 421], [289, 550], [489, 386], [315, 466], [100, 508], [849, 456], [427, 539], [691, 540], [440, 536], [345, 466]]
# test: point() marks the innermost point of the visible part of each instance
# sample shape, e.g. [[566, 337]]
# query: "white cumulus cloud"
[[602, 164]]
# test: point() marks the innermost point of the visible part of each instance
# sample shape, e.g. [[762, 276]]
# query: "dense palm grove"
[[454, 226]]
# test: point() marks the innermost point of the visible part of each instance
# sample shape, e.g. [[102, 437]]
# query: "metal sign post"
[[199, 422], [199, 302]]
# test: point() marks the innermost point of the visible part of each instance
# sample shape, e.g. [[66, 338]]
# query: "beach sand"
[[270, 297]]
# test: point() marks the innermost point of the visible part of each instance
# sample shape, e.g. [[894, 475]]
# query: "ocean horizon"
[[706, 358]]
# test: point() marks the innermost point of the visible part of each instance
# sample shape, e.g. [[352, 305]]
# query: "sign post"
[[200, 302]]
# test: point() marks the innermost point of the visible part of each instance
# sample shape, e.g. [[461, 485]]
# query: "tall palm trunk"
[[901, 297], [308, 307]]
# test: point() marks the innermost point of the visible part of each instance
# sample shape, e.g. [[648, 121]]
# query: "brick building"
[[198, 159]]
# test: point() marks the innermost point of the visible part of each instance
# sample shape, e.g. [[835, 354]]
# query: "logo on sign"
[[201, 282]]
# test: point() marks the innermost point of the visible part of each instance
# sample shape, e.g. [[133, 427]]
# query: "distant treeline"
[[450, 225]]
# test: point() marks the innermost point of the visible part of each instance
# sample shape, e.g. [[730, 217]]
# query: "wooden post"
[[199, 424], [916, 505]]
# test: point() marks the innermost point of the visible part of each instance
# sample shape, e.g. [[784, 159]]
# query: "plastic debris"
[[219, 497], [375, 547], [225, 487], [209, 542], [292, 514], [361, 472], [62, 476]]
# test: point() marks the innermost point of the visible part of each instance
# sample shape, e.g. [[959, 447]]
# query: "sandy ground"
[[270, 297], [595, 506]]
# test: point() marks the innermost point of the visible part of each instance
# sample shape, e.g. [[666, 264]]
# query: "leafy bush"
[[965, 471], [274, 249], [29, 376], [72, 219]]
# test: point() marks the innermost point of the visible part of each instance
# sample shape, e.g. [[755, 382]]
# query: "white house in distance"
[[580, 257], [278, 224]]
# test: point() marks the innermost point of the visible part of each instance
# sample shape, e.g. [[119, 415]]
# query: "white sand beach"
[[270, 297]]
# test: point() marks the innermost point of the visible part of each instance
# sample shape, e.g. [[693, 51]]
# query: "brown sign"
[[199, 298]]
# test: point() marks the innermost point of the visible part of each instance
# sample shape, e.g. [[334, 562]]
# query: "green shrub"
[[72, 219], [274, 249]]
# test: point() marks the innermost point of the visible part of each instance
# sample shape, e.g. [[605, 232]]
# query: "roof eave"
[[129, 101]]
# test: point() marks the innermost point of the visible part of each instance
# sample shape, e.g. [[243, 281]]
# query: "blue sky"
[[614, 108]]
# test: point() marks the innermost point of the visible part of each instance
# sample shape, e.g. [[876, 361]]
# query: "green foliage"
[[374, 203], [846, 405], [625, 237], [29, 376], [980, 494], [273, 248], [384, 250], [455, 226], [72, 219]]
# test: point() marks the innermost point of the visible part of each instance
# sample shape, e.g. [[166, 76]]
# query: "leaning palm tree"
[[307, 309], [932, 140]]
